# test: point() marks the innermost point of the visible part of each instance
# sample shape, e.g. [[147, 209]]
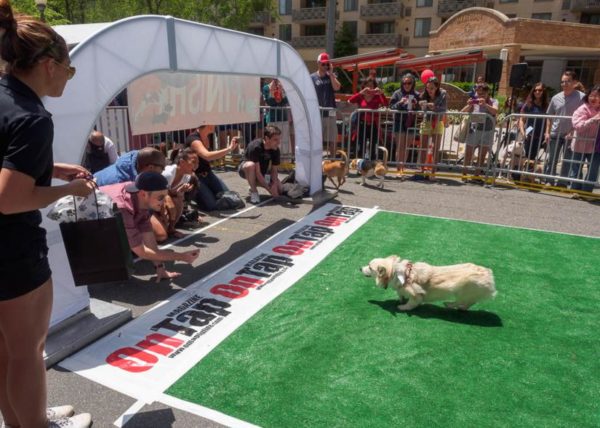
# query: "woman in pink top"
[[586, 144], [365, 125]]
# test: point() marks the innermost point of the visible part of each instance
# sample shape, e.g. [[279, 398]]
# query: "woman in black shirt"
[[37, 65]]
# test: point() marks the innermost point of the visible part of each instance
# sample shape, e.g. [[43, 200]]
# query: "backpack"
[[229, 200]]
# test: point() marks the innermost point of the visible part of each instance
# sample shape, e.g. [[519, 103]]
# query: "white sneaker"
[[54, 413], [254, 198], [59, 412], [83, 420]]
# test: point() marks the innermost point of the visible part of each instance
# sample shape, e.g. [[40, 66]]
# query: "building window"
[[590, 18], [422, 27], [285, 32], [314, 30], [511, 15], [424, 3], [351, 27], [585, 70], [509, 1], [314, 3], [544, 16], [285, 7], [382, 27], [350, 5], [566, 5]]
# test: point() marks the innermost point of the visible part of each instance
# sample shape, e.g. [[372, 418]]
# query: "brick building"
[[548, 47], [409, 24]]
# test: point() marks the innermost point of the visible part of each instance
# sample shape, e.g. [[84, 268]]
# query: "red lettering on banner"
[[136, 360], [229, 291], [155, 341], [246, 281], [286, 249], [331, 221], [293, 248], [132, 360]]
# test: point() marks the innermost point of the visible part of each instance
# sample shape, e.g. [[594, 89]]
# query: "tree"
[[344, 45], [345, 42]]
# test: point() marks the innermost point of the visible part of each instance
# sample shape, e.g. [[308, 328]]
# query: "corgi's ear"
[[381, 271]]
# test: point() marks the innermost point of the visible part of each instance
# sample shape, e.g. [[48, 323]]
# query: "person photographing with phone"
[[210, 186], [181, 181], [326, 84]]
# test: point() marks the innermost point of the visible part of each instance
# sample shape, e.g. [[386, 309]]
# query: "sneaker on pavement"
[[83, 420], [59, 412], [254, 198]]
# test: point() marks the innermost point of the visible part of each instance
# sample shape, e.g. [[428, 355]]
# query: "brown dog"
[[367, 168], [337, 169]]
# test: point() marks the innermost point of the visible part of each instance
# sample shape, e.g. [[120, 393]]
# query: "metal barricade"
[[525, 157], [422, 142]]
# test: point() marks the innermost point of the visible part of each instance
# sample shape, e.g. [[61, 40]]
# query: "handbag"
[[463, 131], [97, 250]]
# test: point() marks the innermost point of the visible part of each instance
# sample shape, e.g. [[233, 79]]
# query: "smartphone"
[[186, 179]]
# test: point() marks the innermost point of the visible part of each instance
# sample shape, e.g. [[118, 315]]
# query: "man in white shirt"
[[100, 152]]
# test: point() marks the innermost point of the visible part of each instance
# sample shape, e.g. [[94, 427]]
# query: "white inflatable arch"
[[116, 55]]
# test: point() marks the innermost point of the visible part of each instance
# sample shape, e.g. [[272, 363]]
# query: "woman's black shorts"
[[23, 264]]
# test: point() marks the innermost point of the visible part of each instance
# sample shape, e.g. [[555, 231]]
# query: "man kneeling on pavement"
[[262, 157], [136, 201]]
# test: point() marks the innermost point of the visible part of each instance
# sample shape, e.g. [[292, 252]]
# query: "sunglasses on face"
[[407, 83], [538, 90], [69, 68]]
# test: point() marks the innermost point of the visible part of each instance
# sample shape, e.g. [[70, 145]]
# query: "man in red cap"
[[326, 83]]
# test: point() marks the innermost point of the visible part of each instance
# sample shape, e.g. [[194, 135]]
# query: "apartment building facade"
[[383, 24]]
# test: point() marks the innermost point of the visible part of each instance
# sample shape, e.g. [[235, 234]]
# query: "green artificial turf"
[[332, 351]]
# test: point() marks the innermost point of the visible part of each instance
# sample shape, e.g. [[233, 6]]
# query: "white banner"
[[169, 101], [144, 357]]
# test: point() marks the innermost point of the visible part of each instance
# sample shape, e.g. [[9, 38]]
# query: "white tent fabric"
[[111, 58]]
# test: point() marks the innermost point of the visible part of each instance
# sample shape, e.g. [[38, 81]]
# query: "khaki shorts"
[[329, 124]]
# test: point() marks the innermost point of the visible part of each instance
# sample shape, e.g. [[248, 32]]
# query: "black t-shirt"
[[26, 134], [203, 164], [256, 152]]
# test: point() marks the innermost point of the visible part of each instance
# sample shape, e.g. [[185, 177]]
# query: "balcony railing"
[[261, 18], [447, 8], [309, 42], [387, 39], [585, 5], [378, 10], [312, 14]]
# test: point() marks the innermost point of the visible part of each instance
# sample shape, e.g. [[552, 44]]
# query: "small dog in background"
[[368, 168], [338, 169], [421, 282]]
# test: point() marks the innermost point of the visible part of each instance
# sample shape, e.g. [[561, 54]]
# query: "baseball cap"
[[148, 181], [323, 57]]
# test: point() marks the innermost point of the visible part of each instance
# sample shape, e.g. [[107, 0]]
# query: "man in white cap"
[[326, 83], [136, 201]]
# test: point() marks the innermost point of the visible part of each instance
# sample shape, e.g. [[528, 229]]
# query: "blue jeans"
[[206, 194], [555, 148], [593, 161]]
